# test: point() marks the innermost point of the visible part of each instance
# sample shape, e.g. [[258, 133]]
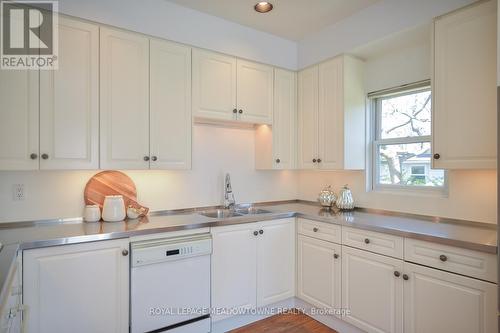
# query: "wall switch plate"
[[18, 192]]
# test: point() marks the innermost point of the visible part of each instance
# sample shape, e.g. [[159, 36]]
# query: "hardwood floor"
[[293, 322]]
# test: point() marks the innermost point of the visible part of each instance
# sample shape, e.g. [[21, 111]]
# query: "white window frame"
[[374, 100]]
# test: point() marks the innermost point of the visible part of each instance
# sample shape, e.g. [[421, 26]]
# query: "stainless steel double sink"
[[227, 213]]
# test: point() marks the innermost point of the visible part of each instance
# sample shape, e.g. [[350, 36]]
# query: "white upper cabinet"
[[464, 88], [254, 92], [308, 118], [77, 288], [19, 120], [124, 100], [69, 105], [437, 301], [214, 85], [170, 105], [332, 115], [226, 88], [275, 147]]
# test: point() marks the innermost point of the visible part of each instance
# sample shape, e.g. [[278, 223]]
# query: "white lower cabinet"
[[252, 265], [275, 261], [77, 288], [437, 301], [372, 292], [319, 272]]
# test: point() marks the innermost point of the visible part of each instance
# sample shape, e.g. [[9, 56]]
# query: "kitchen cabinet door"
[[170, 104], [254, 92], [234, 270], [331, 115], [19, 139], [464, 113], [319, 272], [341, 143], [437, 301], [308, 118], [275, 147], [275, 261], [124, 100], [214, 85], [77, 288], [69, 104], [372, 291]]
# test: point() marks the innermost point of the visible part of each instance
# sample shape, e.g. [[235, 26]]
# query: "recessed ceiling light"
[[263, 7]]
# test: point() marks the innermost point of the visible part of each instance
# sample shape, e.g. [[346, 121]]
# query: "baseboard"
[[238, 321]]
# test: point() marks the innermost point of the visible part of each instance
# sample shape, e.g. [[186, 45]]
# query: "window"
[[402, 139]]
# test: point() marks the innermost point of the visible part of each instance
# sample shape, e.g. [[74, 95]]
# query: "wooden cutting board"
[[111, 182]]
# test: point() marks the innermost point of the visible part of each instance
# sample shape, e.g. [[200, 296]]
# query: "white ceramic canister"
[[113, 209], [92, 213]]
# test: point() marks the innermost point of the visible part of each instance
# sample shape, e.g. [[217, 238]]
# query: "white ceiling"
[[290, 19]]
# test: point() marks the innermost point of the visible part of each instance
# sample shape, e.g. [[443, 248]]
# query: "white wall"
[[170, 21], [377, 21], [57, 194]]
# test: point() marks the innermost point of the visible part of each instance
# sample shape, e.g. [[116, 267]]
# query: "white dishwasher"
[[170, 285]]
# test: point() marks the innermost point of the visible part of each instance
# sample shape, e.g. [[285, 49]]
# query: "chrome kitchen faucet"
[[229, 201]]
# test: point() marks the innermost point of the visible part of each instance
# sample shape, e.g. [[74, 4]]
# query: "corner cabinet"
[[145, 102], [230, 89], [464, 88], [252, 265], [331, 115], [77, 288], [275, 146]]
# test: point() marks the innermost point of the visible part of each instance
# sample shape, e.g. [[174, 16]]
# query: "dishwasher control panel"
[[150, 252]]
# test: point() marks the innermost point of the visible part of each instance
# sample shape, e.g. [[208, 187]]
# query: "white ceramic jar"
[[92, 213], [113, 209]]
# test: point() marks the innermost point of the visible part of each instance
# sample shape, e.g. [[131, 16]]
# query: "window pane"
[[406, 116], [407, 164]]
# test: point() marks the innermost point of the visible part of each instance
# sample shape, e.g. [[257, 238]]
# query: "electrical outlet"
[[18, 192]]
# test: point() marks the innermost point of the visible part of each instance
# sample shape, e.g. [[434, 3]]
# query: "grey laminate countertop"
[[469, 235]]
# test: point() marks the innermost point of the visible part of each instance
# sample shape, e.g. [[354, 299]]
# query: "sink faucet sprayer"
[[229, 201]]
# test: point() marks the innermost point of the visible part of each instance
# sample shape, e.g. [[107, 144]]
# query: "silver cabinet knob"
[[397, 274], [45, 156], [367, 241], [146, 158], [235, 111], [240, 111], [315, 229], [443, 258], [406, 277], [125, 253], [154, 158], [33, 156]]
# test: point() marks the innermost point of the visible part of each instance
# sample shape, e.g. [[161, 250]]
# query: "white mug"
[[113, 209], [92, 213]]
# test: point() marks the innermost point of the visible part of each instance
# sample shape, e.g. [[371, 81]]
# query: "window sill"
[[416, 192]]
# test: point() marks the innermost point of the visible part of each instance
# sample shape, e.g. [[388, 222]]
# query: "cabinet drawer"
[[325, 231], [388, 245], [449, 258]]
